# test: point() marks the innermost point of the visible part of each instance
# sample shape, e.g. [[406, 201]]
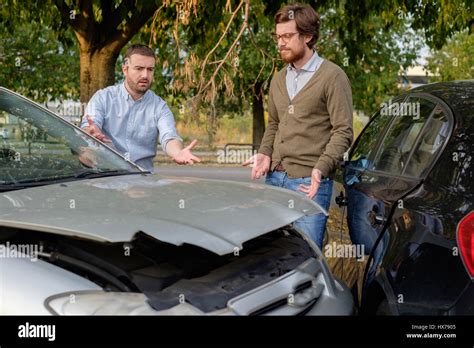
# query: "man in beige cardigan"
[[309, 117]]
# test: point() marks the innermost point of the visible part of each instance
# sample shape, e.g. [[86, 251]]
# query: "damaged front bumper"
[[307, 290]]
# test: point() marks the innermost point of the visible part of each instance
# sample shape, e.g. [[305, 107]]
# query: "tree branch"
[[139, 18], [85, 6], [264, 53], [82, 23], [116, 17], [204, 63]]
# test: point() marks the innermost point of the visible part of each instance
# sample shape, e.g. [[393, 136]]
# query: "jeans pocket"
[[268, 179], [274, 178], [325, 187]]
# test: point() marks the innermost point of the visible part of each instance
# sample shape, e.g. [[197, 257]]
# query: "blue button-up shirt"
[[133, 125], [296, 79]]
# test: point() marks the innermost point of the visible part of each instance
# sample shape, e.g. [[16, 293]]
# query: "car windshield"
[[38, 147]]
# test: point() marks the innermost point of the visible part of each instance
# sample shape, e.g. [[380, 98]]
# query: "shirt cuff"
[[324, 167], [165, 142], [84, 123], [265, 151]]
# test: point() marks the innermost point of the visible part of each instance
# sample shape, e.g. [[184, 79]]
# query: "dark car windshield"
[[37, 146]]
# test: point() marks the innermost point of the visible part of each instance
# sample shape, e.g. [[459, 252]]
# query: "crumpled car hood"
[[213, 214]]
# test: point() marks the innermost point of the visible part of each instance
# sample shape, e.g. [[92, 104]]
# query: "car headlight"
[[109, 303]]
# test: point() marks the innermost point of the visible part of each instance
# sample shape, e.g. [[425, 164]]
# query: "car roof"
[[459, 95]]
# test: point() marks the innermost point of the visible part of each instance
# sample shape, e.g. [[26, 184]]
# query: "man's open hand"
[[93, 130], [311, 190], [260, 165], [185, 156]]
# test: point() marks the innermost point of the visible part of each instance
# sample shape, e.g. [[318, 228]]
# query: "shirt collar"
[[310, 65], [124, 92], [127, 96]]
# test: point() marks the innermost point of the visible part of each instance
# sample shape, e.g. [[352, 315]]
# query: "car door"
[[387, 162]]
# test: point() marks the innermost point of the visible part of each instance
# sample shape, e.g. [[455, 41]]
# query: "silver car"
[[84, 231]]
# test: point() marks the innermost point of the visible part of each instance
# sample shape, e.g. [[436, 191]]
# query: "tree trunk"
[[258, 122], [97, 70], [100, 42]]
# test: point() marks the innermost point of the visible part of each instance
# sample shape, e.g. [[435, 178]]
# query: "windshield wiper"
[[97, 173], [25, 184], [86, 174]]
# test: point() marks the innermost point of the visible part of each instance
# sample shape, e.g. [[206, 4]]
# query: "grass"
[[230, 129]]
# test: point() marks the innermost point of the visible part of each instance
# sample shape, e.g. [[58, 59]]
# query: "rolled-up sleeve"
[[166, 126], [95, 109]]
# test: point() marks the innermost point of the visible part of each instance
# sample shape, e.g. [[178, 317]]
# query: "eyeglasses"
[[285, 37]]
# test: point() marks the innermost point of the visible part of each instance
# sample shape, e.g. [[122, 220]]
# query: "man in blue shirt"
[[132, 118]]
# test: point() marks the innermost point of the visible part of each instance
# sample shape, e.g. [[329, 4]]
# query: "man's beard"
[[138, 87], [291, 56]]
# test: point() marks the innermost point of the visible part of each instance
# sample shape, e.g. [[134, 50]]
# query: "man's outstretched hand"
[[260, 165], [311, 190], [185, 156], [95, 131]]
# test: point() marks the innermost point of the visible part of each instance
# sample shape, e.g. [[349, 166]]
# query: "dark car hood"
[[213, 214]]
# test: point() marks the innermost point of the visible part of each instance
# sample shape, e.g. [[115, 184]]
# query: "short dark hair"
[[138, 49], [306, 18]]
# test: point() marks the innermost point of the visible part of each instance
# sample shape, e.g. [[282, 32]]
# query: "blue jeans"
[[314, 225], [360, 229]]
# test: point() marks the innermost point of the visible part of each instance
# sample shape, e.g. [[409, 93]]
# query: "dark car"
[[408, 188]]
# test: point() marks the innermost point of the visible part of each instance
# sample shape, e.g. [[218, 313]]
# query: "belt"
[[280, 168]]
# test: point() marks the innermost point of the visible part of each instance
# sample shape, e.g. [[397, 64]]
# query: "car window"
[[367, 141], [434, 136], [37, 146], [408, 121]]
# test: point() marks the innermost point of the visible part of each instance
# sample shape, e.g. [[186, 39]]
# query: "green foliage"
[[366, 38], [374, 74], [371, 40], [34, 63], [455, 60]]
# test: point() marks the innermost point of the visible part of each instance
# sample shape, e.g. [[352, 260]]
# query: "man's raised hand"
[[93, 130], [185, 156], [312, 190], [260, 164]]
